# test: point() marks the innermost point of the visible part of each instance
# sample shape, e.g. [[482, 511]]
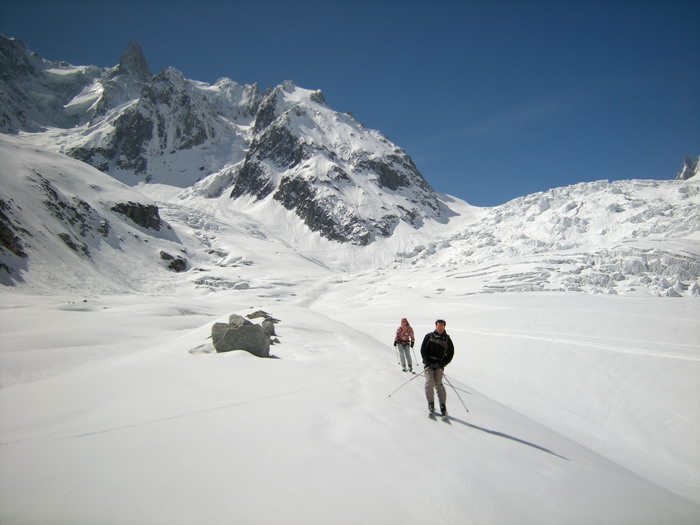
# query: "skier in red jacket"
[[404, 341]]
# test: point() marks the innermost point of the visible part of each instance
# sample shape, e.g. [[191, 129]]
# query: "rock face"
[[145, 215], [175, 263], [346, 182], [8, 236], [240, 334]]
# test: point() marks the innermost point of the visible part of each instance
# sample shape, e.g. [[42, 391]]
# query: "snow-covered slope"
[[66, 225], [35, 93]]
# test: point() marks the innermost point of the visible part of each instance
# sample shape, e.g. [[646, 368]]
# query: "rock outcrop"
[[240, 334], [690, 168]]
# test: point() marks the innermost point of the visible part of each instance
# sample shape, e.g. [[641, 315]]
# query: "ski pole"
[[414, 356], [396, 347], [453, 388], [405, 383]]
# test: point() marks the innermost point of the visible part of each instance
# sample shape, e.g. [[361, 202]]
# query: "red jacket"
[[404, 334]]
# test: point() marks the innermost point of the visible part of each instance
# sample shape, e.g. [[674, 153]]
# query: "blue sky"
[[492, 99]]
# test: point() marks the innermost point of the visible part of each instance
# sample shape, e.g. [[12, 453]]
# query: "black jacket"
[[437, 350]]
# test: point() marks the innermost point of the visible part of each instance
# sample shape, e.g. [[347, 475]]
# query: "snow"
[[583, 408], [114, 421]]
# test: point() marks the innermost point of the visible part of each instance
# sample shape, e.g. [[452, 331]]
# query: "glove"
[[395, 343], [411, 344]]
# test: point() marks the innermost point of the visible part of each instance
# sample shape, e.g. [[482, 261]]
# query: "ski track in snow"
[[202, 410], [588, 343]]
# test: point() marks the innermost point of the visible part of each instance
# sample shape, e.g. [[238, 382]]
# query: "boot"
[[443, 409], [431, 408]]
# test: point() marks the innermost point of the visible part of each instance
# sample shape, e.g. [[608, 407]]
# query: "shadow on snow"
[[506, 436]]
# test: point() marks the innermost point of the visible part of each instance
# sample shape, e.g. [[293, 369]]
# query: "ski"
[[444, 416]]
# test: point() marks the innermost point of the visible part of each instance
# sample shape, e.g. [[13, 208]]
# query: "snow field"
[[159, 429]]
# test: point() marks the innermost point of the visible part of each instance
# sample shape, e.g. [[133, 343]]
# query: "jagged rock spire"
[[134, 63], [690, 168]]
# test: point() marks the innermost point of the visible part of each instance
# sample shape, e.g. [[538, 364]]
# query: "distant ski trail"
[[589, 344]]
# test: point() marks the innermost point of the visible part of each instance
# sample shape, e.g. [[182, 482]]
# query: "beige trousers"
[[433, 383]]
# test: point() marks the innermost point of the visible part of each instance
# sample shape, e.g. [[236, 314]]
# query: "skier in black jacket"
[[437, 351]]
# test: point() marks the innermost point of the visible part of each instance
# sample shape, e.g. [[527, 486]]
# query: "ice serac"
[[346, 182]]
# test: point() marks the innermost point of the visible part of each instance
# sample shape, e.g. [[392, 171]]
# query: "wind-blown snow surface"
[[583, 408]]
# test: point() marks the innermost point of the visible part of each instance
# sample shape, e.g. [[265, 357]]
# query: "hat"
[[404, 319]]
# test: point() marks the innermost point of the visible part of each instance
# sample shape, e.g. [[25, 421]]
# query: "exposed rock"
[[145, 215], [134, 63], [240, 334], [269, 327], [75, 245], [268, 323], [237, 321], [690, 168], [123, 82], [8, 239], [176, 264]]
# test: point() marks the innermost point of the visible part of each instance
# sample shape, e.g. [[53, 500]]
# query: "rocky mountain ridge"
[[285, 144]]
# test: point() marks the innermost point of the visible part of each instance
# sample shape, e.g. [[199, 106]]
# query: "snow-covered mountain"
[[64, 222], [313, 178], [346, 182]]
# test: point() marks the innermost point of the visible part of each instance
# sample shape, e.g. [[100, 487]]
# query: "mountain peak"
[[134, 63], [690, 168]]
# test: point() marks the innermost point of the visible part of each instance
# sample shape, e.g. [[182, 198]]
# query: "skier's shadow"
[[506, 436]]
